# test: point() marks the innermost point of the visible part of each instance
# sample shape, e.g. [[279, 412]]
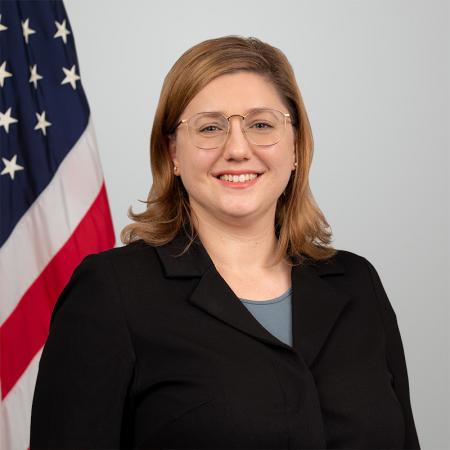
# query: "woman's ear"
[[294, 156], [173, 149], [173, 154]]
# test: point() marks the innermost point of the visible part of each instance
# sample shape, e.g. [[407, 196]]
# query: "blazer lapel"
[[214, 296], [316, 305]]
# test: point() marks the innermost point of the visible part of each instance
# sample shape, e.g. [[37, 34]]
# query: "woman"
[[227, 321]]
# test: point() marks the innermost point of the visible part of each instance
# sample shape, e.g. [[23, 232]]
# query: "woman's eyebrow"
[[254, 108]]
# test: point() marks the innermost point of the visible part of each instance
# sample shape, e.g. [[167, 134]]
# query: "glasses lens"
[[264, 126], [208, 130]]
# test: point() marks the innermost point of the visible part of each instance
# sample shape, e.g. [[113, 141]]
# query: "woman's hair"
[[300, 226]]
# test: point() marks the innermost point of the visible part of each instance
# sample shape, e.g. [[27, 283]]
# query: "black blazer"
[[151, 351]]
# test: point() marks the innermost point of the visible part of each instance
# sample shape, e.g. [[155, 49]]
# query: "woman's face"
[[225, 201]]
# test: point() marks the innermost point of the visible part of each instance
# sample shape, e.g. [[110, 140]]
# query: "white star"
[[6, 120], [2, 27], [71, 77], [26, 30], [11, 167], [35, 77], [42, 123], [3, 73], [62, 31]]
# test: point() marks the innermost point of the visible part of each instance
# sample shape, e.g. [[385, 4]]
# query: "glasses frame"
[[244, 132]]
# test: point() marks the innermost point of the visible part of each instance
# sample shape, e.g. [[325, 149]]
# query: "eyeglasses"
[[261, 126]]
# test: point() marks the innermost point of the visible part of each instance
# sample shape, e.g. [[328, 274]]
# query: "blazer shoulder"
[[361, 269], [354, 261], [126, 254], [136, 261], [343, 262], [350, 259], [127, 250]]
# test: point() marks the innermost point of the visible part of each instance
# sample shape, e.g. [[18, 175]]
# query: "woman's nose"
[[236, 145]]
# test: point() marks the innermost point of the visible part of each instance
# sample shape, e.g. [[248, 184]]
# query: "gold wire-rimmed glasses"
[[261, 126]]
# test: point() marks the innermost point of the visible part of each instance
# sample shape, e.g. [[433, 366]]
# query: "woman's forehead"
[[236, 94]]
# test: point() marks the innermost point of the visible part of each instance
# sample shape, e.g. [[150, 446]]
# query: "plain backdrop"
[[375, 78]]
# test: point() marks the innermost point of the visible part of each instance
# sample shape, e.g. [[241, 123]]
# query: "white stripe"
[[15, 410], [50, 220]]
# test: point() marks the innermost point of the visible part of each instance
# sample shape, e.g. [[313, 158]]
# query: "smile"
[[238, 181], [238, 178]]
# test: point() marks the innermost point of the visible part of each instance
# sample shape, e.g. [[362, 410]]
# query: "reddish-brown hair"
[[299, 223]]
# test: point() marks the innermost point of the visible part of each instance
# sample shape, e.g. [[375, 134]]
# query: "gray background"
[[375, 79]]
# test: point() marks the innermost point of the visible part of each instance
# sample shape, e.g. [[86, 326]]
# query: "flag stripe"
[[17, 406], [50, 221], [29, 322]]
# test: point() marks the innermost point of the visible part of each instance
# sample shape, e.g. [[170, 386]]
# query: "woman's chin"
[[237, 212]]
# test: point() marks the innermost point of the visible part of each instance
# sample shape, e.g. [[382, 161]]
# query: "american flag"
[[54, 208]]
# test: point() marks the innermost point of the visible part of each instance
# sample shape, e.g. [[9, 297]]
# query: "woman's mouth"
[[238, 181]]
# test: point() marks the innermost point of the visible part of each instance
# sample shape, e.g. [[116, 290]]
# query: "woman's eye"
[[261, 125], [209, 129]]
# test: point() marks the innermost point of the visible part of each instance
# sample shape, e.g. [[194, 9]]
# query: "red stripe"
[[24, 333]]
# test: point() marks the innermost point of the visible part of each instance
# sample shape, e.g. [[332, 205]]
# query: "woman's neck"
[[238, 248]]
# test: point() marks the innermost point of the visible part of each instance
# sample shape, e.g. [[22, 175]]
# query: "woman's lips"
[[239, 185]]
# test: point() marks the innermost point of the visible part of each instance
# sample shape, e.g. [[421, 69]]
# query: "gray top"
[[274, 314]]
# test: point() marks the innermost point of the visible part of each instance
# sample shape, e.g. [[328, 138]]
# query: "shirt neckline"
[[271, 300]]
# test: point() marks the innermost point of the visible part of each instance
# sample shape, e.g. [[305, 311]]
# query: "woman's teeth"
[[239, 178]]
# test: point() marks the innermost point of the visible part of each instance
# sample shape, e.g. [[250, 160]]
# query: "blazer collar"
[[316, 304]]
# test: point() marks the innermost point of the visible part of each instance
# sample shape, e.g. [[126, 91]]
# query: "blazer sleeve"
[[86, 367], [395, 358]]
